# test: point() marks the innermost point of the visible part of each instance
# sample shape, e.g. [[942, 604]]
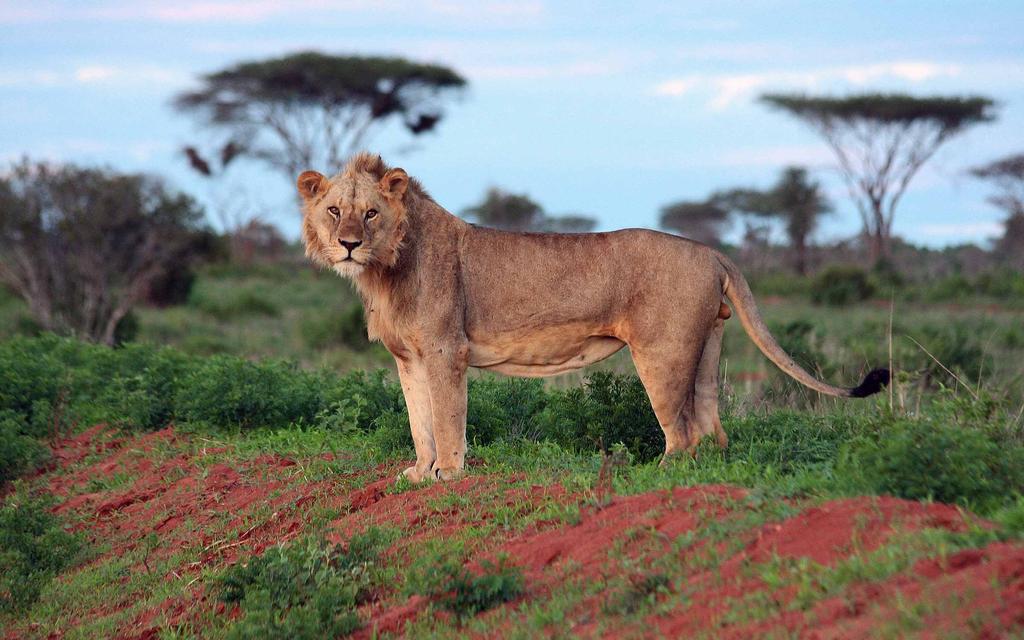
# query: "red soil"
[[221, 513]]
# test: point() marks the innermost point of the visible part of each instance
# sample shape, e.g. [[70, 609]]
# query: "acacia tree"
[[880, 142], [700, 221], [314, 110], [518, 212], [1008, 176], [83, 246], [795, 199]]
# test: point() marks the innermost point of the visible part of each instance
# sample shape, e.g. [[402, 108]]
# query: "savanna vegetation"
[[272, 360]]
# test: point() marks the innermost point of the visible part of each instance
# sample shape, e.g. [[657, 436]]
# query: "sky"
[[608, 109]]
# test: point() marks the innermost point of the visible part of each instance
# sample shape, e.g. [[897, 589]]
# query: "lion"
[[443, 295]]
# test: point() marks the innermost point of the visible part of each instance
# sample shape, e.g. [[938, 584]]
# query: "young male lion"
[[444, 295]]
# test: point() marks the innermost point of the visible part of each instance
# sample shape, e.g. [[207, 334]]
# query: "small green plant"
[[641, 592], [310, 589], [839, 286], [34, 547], [464, 593]]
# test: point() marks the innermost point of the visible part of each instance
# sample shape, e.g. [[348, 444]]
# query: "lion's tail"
[[738, 291]]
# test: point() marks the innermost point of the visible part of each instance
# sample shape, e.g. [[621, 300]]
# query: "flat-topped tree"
[[500, 209], [1008, 176], [312, 110], [703, 221], [795, 199], [881, 141]]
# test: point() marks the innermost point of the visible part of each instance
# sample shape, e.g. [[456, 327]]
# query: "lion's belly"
[[540, 355]]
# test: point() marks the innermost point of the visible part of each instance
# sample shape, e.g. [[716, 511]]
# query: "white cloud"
[[727, 89], [677, 87], [96, 74]]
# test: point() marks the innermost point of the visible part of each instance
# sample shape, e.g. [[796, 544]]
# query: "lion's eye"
[[334, 211], [371, 214]]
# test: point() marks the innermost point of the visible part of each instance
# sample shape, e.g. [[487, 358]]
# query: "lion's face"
[[353, 221]]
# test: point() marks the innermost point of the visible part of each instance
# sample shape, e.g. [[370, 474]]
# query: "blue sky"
[[588, 107]]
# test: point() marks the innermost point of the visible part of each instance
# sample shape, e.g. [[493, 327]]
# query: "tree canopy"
[[313, 110], [881, 141], [1008, 176], [795, 199], [703, 221], [518, 212]]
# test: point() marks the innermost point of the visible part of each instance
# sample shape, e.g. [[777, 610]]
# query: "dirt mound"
[[707, 560]]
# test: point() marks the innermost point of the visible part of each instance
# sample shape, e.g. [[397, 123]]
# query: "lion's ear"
[[394, 182], [310, 183]]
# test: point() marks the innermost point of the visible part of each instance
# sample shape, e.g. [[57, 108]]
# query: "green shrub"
[[641, 592], [504, 408], [391, 435], [330, 329], [839, 286], [229, 392], [455, 588], [356, 400], [310, 589], [20, 453], [144, 396], [33, 549], [608, 409], [230, 303], [938, 457], [953, 287]]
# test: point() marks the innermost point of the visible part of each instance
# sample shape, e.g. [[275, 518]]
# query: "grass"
[[234, 399]]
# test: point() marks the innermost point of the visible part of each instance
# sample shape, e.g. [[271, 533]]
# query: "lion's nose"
[[350, 244]]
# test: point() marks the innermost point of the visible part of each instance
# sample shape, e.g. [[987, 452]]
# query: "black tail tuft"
[[873, 383]]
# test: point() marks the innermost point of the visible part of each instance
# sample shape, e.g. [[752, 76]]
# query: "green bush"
[[504, 408], [391, 435], [230, 303], [311, 589], [608, 409], [20, 453], [356, 400], [34, 548], [458, 590], [938, 457], [330, 329], [839, 286], [229, 392], [144, 395]]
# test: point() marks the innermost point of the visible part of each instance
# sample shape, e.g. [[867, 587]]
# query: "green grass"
[[263, 362]]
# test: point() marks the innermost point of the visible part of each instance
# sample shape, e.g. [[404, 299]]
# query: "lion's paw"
[[448, 474], [415, 475]]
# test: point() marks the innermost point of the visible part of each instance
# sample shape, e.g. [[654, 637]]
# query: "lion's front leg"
[[413, 377], [446, 379]]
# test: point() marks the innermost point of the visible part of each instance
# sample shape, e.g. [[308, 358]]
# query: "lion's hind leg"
[[706, 392], [669, 373]]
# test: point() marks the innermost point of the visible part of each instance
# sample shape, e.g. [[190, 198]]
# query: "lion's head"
[[356, 220]]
